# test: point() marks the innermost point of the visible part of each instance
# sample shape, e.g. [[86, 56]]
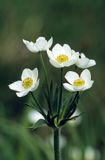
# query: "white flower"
[[28, 83], [41, 44], [78, 83], [84, 62], [62, 56], [34, 116]]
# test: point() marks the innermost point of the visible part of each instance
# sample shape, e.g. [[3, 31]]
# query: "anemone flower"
[[62, 56], [28, 83], [78, 83], [41, 44], [84, 62]]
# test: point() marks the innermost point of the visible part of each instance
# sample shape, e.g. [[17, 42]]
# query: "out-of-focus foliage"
[[80, 23]]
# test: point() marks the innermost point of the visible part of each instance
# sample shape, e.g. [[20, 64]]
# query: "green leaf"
[[52, 97], [39, 123], [75, 117], [69, 119], [71, 106], [55, 101]]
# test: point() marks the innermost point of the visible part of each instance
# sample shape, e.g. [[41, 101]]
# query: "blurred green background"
[[80, 23]]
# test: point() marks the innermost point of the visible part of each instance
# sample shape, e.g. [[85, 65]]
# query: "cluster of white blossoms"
[[60, 57]]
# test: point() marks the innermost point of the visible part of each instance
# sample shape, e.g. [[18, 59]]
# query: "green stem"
[[56, 144], [46, 80], [44, 67], [60, 97]]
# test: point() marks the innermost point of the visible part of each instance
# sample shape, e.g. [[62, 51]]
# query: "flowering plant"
[[59, 107]]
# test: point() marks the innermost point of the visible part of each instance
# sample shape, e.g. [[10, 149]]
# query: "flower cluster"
[[59, 57]]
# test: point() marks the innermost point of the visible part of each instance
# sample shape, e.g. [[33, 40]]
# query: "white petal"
[[89, 85], [82, 62], [35, 86], [69, 63], [57, 47], [50, 43], [35, 74], [68, 87], [79, 88], [30, 45], [40, 39], [50, 55], [86, 75], [26, 73], [57, 50], [91, 63], [41, 44], [82, 55], [21, 94], [75, 56], [55, 64], [71, 76], [73, 52], [16, 86], [67, 49]]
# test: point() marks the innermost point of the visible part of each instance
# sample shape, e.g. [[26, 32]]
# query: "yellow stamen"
[[27, 83], [62, 58], [79, 83]]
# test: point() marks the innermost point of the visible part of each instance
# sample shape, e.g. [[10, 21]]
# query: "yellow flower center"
[[79, 83], [27, 83], [62, 58]]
